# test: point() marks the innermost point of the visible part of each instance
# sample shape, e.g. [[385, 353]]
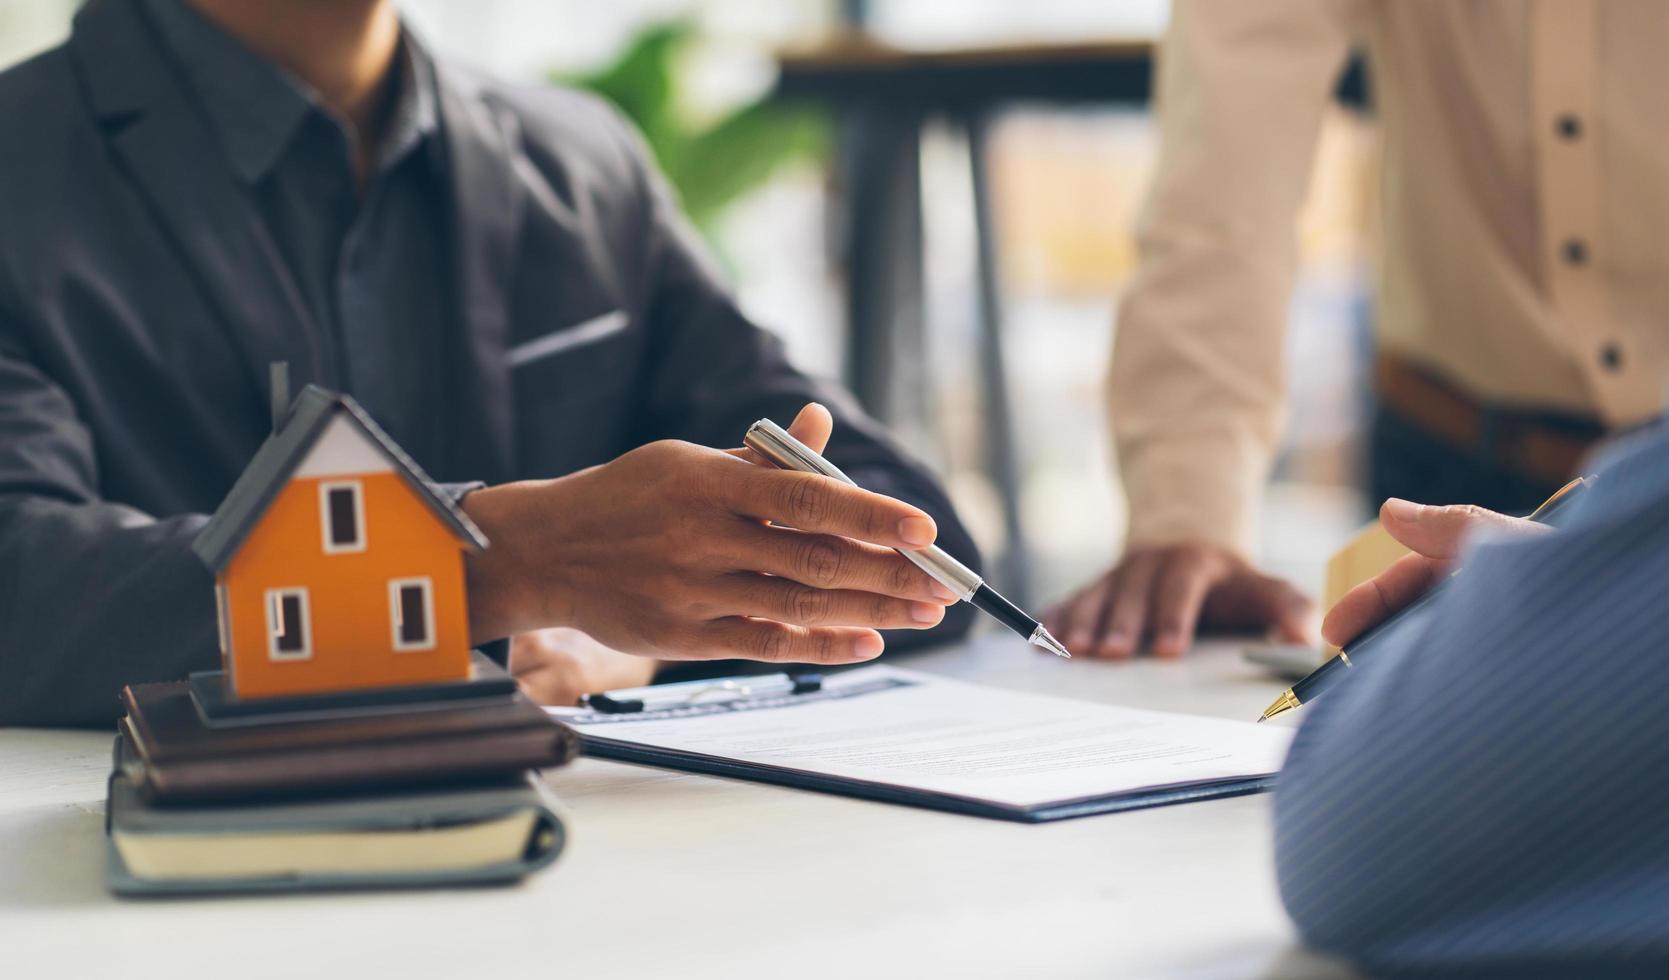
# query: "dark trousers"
[[1405, 461]]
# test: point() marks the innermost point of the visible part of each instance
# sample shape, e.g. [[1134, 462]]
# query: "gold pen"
[[1339, 665]]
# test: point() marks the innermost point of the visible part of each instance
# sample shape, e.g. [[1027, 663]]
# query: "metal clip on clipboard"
[[658, 696]]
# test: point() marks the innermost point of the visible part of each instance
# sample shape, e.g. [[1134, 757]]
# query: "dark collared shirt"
[[370, 265]]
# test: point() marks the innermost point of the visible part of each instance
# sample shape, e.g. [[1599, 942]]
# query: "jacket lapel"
[[485, 214], [160, 139]]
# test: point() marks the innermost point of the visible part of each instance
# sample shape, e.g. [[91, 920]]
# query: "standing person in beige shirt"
[[1523, 303]]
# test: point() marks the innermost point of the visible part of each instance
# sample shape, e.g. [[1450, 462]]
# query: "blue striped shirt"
[[1489, 794]]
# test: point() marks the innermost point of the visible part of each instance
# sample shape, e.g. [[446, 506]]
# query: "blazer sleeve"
[[93, 594], [712, 373], [1486, 797]]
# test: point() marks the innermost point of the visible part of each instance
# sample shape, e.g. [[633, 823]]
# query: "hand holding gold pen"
[[1366, 612]]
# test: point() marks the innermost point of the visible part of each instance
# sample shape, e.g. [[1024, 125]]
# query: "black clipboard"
[[597, 745]]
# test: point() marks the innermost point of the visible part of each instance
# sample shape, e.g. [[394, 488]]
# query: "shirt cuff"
[[456, 492], [496, 650], [1195, 490]]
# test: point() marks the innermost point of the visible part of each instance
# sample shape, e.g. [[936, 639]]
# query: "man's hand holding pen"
[[682, 552], [1436, 536]]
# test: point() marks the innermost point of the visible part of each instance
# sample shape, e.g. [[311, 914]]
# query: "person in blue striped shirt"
[[1489, 793]]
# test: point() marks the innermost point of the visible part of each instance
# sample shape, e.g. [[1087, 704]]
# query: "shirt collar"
[[416, 113], [255, 107]]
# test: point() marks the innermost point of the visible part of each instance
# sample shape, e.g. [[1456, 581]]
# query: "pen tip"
[[1049, 643], [1260, 720]]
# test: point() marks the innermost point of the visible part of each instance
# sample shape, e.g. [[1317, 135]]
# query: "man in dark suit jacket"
[[191, 192]]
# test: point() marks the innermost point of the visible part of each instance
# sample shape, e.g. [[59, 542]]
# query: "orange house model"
[[337, 563]]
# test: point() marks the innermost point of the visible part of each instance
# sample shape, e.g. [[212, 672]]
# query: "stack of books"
[[398, 793]]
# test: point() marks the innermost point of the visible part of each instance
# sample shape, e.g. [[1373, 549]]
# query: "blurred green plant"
[[713, 165]]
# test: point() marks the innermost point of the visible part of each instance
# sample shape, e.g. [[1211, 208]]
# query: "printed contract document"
[[907, 737]]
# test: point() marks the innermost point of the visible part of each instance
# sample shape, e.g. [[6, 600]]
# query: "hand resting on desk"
[[1436, 535], [557, 665], [682, 552], [1167, 591]]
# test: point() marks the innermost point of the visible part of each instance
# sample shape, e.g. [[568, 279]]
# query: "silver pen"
[[635, 700], [773, 442]]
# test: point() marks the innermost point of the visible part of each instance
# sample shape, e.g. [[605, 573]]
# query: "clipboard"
[[711, 737]]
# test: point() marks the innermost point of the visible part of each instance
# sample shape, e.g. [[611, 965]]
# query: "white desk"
[[698, 876]]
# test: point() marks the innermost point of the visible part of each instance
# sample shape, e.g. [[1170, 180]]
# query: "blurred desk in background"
[[671, 874], [882, 98], [853, 67]]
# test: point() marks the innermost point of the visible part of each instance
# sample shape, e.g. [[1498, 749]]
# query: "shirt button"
[[1611, 357], [1568, 126], [1576, 251]]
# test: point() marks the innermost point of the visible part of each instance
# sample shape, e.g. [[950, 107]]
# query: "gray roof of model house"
[[285, 450]]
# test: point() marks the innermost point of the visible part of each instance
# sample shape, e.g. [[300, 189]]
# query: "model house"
[[337, 563]]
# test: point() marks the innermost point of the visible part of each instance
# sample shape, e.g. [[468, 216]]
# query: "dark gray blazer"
[[141, 299]]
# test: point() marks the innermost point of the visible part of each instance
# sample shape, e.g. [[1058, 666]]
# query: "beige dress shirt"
[[1526, 224]]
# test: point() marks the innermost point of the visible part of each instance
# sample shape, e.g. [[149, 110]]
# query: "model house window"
[[289, 632], [412, 609], [342, 514]]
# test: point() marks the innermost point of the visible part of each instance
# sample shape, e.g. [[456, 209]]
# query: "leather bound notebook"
[[497, 829], [181, 760]]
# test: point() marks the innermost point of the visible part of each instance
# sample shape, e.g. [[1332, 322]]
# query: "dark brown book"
[[182, 760]]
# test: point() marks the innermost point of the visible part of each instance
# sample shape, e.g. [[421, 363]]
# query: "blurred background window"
[[696, 75]]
